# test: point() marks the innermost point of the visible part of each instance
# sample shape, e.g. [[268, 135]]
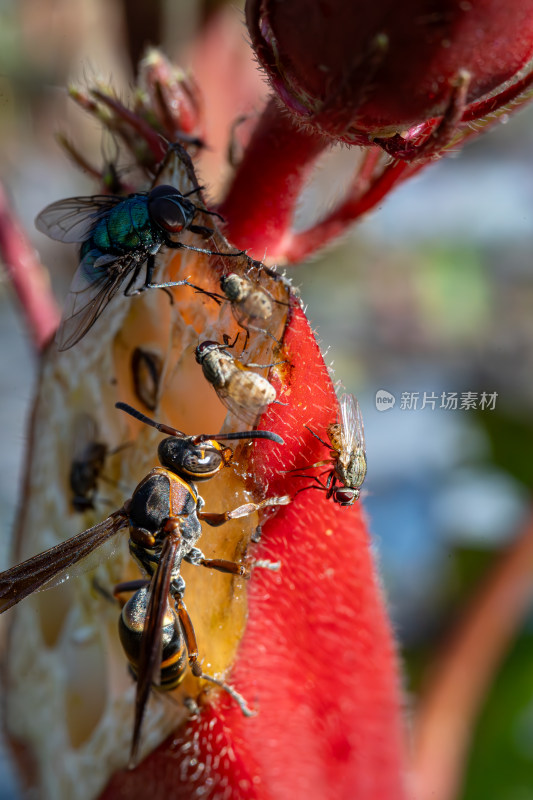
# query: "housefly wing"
[[95, 283], [73, 219]]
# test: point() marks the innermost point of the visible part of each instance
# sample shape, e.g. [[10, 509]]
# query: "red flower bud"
[[361, 70]]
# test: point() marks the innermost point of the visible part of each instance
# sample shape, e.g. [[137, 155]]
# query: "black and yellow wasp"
[[163, 517]]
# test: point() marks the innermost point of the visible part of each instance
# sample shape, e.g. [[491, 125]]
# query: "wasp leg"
[[264, 366], [196, 668], [196, 557], [308, 466], [113, 597], [128, 586], [245, 510], [229, 567], [265, 563]]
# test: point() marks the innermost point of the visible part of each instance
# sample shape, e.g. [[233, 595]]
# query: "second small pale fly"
[[118, 235], [348, 455]]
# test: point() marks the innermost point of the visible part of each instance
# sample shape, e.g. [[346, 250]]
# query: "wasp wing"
[[56, 562], [150, 655], [352, 428], [88, 297], [73, 219]]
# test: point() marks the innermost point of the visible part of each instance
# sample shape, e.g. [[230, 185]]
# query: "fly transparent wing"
[[245, 393], [73, 219], [353, 431], [57, 563], [87, 298], [241, 409]]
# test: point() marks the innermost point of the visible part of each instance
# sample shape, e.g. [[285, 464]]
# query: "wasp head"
[[197, 461]]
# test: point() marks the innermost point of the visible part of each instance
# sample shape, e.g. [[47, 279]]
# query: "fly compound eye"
[[204, 348], [346, 497], [169, 209]]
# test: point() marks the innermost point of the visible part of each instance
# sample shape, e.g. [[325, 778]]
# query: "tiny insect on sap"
[[347, 455], [163, 517], [87, 462], [244, 392], [118, 235]]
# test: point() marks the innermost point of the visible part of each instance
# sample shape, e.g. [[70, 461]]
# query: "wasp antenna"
[[273, 437], [147, 421], [255, 435]]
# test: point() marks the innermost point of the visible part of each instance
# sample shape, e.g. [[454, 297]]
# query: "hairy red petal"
[[317, 659]]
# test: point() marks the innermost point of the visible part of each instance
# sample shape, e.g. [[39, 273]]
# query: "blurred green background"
[[430, 294]]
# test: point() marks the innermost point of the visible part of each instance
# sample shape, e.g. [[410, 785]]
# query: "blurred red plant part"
[[317, 659], [261, 200], [373, 180], [463, 672], [173, 95], [231, 87], [124, 121], [372, 69], [432, 87], [28, 276]]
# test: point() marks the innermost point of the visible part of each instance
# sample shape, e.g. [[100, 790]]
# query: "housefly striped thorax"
[[163, 517], [243, 392]]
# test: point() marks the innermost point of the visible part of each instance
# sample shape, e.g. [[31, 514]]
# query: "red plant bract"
[[316, 660], [362, 70]]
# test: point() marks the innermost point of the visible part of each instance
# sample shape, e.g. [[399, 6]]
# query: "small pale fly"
[[347, 460], [244, 392]]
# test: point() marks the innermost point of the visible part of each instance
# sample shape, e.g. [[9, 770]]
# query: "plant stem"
[[449, 707], [28, 276], [260, 204]]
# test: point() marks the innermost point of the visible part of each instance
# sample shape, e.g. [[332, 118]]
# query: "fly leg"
[[135, 275], [321, 486], [318, 437], [180, 246], [148, 284], [196, 668]]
